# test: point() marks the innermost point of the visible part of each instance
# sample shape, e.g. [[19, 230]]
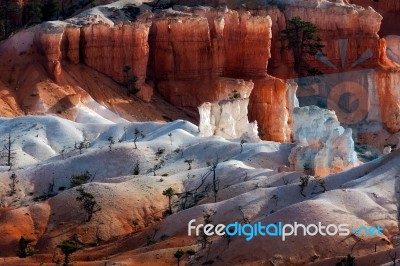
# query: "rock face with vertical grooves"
[[191, 54]]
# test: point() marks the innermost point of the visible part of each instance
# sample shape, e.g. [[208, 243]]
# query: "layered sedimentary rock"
[[269, 101], [270, 105], [206, 44], [228, 119], [188, 53], [336, 21], [348, 33], [207, 91], [48, 40], [389, 94], [321, 143], [389, 9], [191, 52], [105, 48]]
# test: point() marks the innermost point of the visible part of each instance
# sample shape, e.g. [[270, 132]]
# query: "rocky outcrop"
[[105, 48], [48, 40], [389, 9], [271, 106], [269, 101], [192, 51], [190, 54], [228, 119], [204, 91], [322, 145], [347, 27], [389, 95], [335, 21]]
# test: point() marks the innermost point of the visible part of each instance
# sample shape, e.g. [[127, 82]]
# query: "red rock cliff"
[[105, 48], [189, 53]]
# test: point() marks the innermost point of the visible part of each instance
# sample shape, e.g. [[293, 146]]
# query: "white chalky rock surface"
[[321, 143], [228, 119]]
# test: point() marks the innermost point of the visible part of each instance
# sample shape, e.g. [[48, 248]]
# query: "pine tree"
[[301, 37], [68, 247], [169, 192]]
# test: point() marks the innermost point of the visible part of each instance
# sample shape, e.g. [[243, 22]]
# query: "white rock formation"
[[321, 143], [228, 119]]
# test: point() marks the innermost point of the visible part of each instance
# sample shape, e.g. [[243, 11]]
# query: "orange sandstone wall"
[[191, 55]]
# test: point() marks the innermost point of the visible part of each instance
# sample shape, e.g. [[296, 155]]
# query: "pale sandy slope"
[[366, 195]]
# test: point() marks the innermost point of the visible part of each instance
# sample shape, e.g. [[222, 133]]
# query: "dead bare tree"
[[245, 219], [215, 181], [138, 135], [203, 237], [192, 194], [10, 154]]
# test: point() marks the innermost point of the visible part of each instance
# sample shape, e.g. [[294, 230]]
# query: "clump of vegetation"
[[167, 119], [303, 183], [130, 81], [136, 168], [82, 145], [178, 255], [179, 150], [135, 223], [243, 141], [307, 168], [88, 203], [138, 135], [189, 162], [157, 167], [235, 95], [152, 239], [347, 261], [14, 181], [322, 184], [23, 248], [110, 142], [190, 252], [169, 193], [160, 151], [80, 179], [301, 38], [68, 247]]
